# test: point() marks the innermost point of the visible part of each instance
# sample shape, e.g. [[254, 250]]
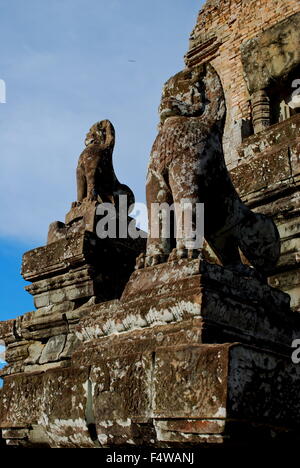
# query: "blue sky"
[[68, 64]]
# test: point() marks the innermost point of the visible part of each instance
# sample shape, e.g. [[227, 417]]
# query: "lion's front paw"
[[152, 260], [178, 254], [140, 262], [181, 253]]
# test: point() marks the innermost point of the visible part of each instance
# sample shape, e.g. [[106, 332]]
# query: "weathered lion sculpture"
[[187, 163], [96, 178], [96, 183]]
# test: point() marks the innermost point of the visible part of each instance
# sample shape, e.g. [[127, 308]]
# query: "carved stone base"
[[77, 268], [191, 354], [81, 218]]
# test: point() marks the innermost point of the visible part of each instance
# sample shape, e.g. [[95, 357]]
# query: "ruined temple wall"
[[222, 26]]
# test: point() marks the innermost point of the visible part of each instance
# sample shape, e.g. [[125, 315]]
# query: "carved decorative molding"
[[204, 52]]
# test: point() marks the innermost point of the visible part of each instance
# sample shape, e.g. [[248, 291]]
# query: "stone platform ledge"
[[73, 251], [228, 307], [69, 272], [177, 396], [193, 299]]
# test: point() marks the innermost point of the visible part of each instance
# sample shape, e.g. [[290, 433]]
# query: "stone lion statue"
[[96, 183], [187, 163], [96, 178]]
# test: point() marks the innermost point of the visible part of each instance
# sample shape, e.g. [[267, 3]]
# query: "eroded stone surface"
[[267, 179], [73, 270], [156, 367], [53, 349], [174, 394], [273, 54]]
